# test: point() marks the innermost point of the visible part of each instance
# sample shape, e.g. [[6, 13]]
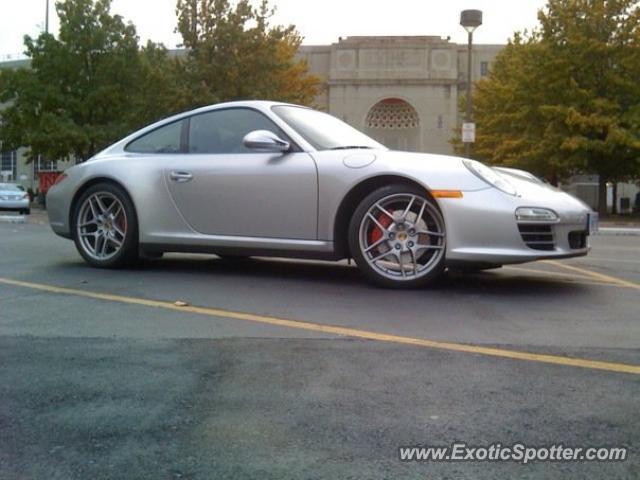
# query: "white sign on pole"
[[468, 132]]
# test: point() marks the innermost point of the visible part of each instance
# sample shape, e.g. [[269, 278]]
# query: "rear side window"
[[166, 139], [222, 131]]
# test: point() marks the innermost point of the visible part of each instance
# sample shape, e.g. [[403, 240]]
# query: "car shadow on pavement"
[[341, 276]]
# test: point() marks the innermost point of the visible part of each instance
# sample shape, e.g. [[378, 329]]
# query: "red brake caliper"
[[376, 233], [122, 222]]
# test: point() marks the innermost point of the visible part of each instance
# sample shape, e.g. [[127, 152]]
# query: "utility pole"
[[468, 111], [470, 20], [46, 18]]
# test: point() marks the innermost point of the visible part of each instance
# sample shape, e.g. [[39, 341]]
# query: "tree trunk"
[[602, 195]]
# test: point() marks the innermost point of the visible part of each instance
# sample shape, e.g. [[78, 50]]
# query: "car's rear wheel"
[[397, 237], [105, 227]]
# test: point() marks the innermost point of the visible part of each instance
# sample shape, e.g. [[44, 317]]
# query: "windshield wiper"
[[350, 147]]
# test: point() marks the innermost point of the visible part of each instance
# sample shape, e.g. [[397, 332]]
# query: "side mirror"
[[265, 141]]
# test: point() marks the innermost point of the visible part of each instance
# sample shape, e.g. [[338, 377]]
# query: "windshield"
[[9, 187], [324, 131]]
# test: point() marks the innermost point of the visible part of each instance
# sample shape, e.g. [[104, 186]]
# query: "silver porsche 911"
[[271, 179]]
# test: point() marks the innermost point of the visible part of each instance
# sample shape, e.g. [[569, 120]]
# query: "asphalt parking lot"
[[271, 368]]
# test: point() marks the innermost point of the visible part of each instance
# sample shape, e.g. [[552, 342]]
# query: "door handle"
[[181, 177]]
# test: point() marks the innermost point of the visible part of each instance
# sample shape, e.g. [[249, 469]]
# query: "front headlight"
[[490, 176], [534, 214]]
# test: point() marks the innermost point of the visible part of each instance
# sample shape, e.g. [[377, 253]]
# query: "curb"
[[612, 231], [13, 219]]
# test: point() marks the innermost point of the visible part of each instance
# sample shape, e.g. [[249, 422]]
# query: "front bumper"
[[14, 205], [482, 228]]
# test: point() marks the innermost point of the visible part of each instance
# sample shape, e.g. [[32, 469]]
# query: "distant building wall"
[[425, 72], [585, 187], [15, 168]]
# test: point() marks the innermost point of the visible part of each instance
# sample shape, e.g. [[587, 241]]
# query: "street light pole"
[[46, 18], [467, 116], [470, 20]]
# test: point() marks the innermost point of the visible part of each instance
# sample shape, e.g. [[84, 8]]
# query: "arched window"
[[392, 114], [394, 123]]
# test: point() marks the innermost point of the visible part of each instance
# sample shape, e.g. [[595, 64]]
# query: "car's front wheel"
[[105, 228], [397, 237]]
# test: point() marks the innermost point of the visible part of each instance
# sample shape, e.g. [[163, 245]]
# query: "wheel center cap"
[[402, 236]]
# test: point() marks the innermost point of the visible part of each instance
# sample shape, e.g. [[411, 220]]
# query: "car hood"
[[435, 171], [449, 172]]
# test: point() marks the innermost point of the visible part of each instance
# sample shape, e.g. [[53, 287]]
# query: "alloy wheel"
[[101, 226], [402, 237]]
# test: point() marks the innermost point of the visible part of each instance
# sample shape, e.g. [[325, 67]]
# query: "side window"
[[165, 139], [222, 131]]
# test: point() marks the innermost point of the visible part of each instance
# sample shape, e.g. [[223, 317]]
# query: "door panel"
[[246, 194]]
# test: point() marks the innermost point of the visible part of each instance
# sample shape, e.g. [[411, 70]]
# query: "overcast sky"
[[320, 22]]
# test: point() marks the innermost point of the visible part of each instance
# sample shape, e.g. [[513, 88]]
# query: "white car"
[[12, 198]]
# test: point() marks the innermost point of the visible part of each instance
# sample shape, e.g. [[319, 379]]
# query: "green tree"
[[234, 53], [84, 89], [514, 128], [566, 97], [160, 82]]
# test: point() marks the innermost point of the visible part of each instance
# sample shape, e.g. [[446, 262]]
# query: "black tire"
[[27, 211], [127, 255], [373, 275]]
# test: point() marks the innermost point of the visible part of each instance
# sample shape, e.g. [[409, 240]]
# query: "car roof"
[[261, 105]]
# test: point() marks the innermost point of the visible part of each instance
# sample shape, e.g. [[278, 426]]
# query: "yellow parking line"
[[599, 276], [606, 259], [335, 330], [563, 276]]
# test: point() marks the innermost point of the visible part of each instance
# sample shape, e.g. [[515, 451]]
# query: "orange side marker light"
[[446, 193]]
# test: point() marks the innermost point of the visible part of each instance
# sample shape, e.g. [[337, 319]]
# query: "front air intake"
[[537, 237], [578, 239]]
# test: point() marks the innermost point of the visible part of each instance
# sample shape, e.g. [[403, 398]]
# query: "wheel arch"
[[353, 198]]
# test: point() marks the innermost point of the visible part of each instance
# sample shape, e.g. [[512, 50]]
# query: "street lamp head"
[[471, 19]]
